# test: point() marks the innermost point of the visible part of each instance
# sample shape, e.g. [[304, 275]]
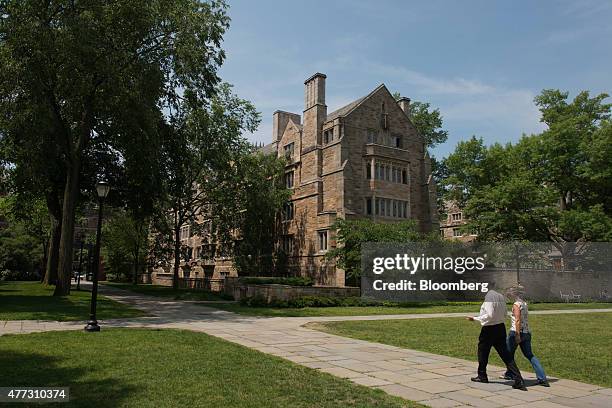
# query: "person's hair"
[[516, 291]]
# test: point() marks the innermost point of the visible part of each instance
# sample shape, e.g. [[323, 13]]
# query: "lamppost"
[[102, 189]]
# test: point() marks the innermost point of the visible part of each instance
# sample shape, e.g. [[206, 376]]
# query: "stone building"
[[364, 160], [453, 227]]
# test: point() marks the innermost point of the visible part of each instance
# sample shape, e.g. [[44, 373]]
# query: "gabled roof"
[[346, 109]]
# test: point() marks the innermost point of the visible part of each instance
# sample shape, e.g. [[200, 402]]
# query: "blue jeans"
[[525, 345]]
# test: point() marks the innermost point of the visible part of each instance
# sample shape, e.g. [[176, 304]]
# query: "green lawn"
[[172, 368], [34, 301], [386, 310], [576, 346], [169, 292]]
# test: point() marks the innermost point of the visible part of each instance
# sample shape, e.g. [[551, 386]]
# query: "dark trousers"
[[495, 336]]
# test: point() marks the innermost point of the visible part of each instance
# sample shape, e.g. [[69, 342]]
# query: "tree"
[[552, 186], [427, 121], [262, 196], [89, 72], [125, 242], [202, 149], [24, 239], [351, 234]]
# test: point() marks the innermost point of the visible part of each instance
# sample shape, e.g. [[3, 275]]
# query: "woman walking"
[[520, 334]]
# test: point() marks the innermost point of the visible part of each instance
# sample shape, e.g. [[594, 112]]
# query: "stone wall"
[[234, 287]]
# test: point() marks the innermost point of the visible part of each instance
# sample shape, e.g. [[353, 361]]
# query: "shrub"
[[308, 301], [8, 275], [291, 281]]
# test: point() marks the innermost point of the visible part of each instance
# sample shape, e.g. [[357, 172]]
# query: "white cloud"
[[429, 84]]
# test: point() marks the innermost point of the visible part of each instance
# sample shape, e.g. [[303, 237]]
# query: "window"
[[396, 140], [322, 240], [368, 171], [289, 179], [289, 150], [287, 243], [372, 136], [386, 207], [328, 136], [184, 232], [288, 212], [388, 173], [456, 217], [457, 232], [404, 176]]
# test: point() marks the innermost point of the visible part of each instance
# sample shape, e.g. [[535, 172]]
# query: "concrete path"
[[433, 380]]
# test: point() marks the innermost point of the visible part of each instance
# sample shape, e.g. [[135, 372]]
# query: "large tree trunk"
[[71, 192], [52, 257], [53, 253]]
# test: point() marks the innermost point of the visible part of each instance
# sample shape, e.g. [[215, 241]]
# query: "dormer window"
[[372, 136], [288, 150], [328, 136], [396, 140]]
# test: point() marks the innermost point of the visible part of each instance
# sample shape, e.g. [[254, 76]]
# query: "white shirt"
[[522, 305], [493, 309]]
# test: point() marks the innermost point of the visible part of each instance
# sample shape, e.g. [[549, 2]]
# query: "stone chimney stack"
[[315, 110], [280, 119], [315, 90], [404, 104]]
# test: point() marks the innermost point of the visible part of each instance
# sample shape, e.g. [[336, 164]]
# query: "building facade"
[[364, 160], [453, 227]]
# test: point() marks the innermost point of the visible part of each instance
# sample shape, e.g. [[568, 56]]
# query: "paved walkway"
[[434, 380]]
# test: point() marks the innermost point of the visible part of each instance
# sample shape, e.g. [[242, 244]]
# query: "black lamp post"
[[92, 326]]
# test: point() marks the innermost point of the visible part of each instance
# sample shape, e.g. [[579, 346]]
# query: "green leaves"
[[351, 234], [554, 186]]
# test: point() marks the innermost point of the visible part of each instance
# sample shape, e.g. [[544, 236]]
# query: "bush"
[[308, 301], [328, 301], [8, 275], [291, 281]]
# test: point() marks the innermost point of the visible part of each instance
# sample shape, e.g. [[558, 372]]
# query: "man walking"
[[493, 334]]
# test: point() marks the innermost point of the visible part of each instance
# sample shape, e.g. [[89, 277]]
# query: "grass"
[[34, 301], [172, 368], [574, 346], [387, 310], [169, 293], [448, 307]]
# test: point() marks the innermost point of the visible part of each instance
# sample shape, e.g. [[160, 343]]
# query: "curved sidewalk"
[[434, 380]]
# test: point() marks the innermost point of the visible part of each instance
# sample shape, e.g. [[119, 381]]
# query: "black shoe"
[[506, 377], [519, 385], [480, 379], [543, 383]]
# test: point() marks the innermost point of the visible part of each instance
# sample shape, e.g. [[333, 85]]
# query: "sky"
[[480, 62]]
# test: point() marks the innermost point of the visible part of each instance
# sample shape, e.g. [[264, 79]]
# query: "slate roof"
[[344, 110]]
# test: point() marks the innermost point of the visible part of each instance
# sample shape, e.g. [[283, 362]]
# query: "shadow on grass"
[[38, 370]]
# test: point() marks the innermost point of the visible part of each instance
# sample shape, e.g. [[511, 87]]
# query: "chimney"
[[280, 119], [404, 104], [315, 90], [315, 110]]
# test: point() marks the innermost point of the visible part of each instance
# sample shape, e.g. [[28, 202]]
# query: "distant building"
[[453, 227]]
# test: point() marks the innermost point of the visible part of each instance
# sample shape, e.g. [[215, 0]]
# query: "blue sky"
[[480, 62]]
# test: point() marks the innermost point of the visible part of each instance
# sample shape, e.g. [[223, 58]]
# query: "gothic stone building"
[[364, 160], [453, 227]]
